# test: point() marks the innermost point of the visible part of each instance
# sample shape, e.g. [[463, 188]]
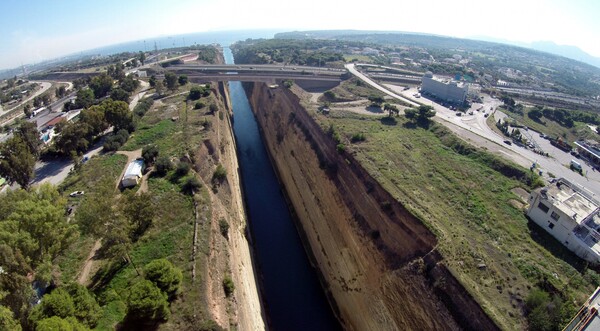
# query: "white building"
[[571, 215], [587, 318], [448, 90], [133, 174]]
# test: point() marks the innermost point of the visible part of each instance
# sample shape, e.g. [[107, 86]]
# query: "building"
[[447, 90], [590, 150], [587, 318], [571, 215], [133, 173]]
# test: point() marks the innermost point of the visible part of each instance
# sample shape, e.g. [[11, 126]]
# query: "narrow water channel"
[[293, 297]]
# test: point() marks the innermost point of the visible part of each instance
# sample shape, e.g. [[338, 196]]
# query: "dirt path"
[[85, 272]]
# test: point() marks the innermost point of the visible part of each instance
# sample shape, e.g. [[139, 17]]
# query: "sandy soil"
[[85, 272]]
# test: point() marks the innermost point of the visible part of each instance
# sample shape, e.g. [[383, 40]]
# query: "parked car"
[[508, 142], [76, 194]]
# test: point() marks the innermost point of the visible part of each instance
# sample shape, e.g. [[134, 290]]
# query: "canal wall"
[[377, 262]]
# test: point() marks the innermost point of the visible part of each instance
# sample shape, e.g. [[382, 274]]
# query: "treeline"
[[566, 118], [299, 52]]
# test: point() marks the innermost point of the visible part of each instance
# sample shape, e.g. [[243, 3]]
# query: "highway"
[[351, 68]]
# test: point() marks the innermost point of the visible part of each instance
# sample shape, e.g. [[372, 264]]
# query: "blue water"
[[294, 298]]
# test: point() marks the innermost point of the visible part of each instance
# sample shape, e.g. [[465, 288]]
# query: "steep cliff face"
[[376, 260]]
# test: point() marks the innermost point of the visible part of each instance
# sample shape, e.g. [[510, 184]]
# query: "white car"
[[76, 194]]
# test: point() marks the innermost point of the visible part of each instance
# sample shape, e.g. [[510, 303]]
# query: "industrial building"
[[571, 215], [444, 89], [133, 173]]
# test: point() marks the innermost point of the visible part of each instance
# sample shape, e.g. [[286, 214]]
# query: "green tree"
[[191, 185], [129, 83], [159, 87], [163, 165], [94, 119], [183, 79], [7, 320], [30, 135], [376, 100], [56, 323], [142, 57], [56, 303], [119, 94], [118, 115], [87, 309], [101, 85], [27, 110], [17, 161], [164, 275], [150, 153], [220, 174], [147, 302], [170, 80], [61, 91], [139, 210], [152, 80], [195, 92], [85, 98], [391, 109]]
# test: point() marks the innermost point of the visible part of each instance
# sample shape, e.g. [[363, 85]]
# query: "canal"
[[293, 296]]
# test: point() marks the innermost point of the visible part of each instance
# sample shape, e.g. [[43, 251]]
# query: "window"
[[543, 207], [555, 216], [551, 225]]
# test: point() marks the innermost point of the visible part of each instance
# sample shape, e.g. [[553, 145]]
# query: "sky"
[[36, 30]]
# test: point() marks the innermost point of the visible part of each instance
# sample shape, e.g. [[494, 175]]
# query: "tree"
[[139, 211], [159, 88], [164, 275], [391, 109], [195, 93], [117, 114], [220, 174], [119, 94], [183, 79], [152, 80], [61, 91], [56, 303], [142, 57], [182, 169], [94, 118], [85, 98], [56, 323], [376, 100], [27, 110], [87, 309], [129, 84], [191, 185], [170, 80], [101, 85], [30, 135], [147, 302], [7, 320], [163, 165], [149, 153], [17, 161]]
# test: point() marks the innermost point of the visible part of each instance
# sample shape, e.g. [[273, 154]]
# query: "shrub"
[[357, 137], [340, 148], [228, 286], [213, 108], [182, 169], [199, 105], [163, 165], [116, 140], [191, 185], [220, 173], [143, 106], [224, 227]]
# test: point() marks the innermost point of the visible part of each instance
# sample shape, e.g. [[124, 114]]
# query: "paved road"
[[45, 87], [474, 129], [369, 81]]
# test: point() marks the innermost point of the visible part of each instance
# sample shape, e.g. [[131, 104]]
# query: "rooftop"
[[570, 199], [591, 146], [587, 318], [134, 168], [444, 80]]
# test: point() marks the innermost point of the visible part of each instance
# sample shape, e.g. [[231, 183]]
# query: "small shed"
[[133, 173]]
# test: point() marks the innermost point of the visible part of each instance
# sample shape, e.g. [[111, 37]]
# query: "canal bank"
[[293, 297]]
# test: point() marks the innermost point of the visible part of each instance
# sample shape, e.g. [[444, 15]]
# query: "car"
[[458, 113], [471, 113], [486, 115], [508, 142], [76, 194]]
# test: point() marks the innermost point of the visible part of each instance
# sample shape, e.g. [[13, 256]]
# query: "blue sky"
[[35, 30]]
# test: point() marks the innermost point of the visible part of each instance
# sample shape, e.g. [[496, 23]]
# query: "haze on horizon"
[[37, 30]]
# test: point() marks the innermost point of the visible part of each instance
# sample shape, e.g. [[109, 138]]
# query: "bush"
[[183, 79], [182, 169], [228, 286], [224, 227], [163, 165], [165, 276], [220, 174], [191, 185], [340, 148], [143, 106], [288, 83], [213, 108], [357, 137], [116, 140], [199, 105], [146, 302]]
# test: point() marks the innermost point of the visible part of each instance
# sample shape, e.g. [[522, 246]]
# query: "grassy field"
[[483, 233]]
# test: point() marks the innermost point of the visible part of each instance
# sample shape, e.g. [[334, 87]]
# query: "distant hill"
[[572, 52]]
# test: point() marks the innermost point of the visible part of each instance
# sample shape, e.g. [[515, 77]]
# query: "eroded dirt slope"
[[377, 261]]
